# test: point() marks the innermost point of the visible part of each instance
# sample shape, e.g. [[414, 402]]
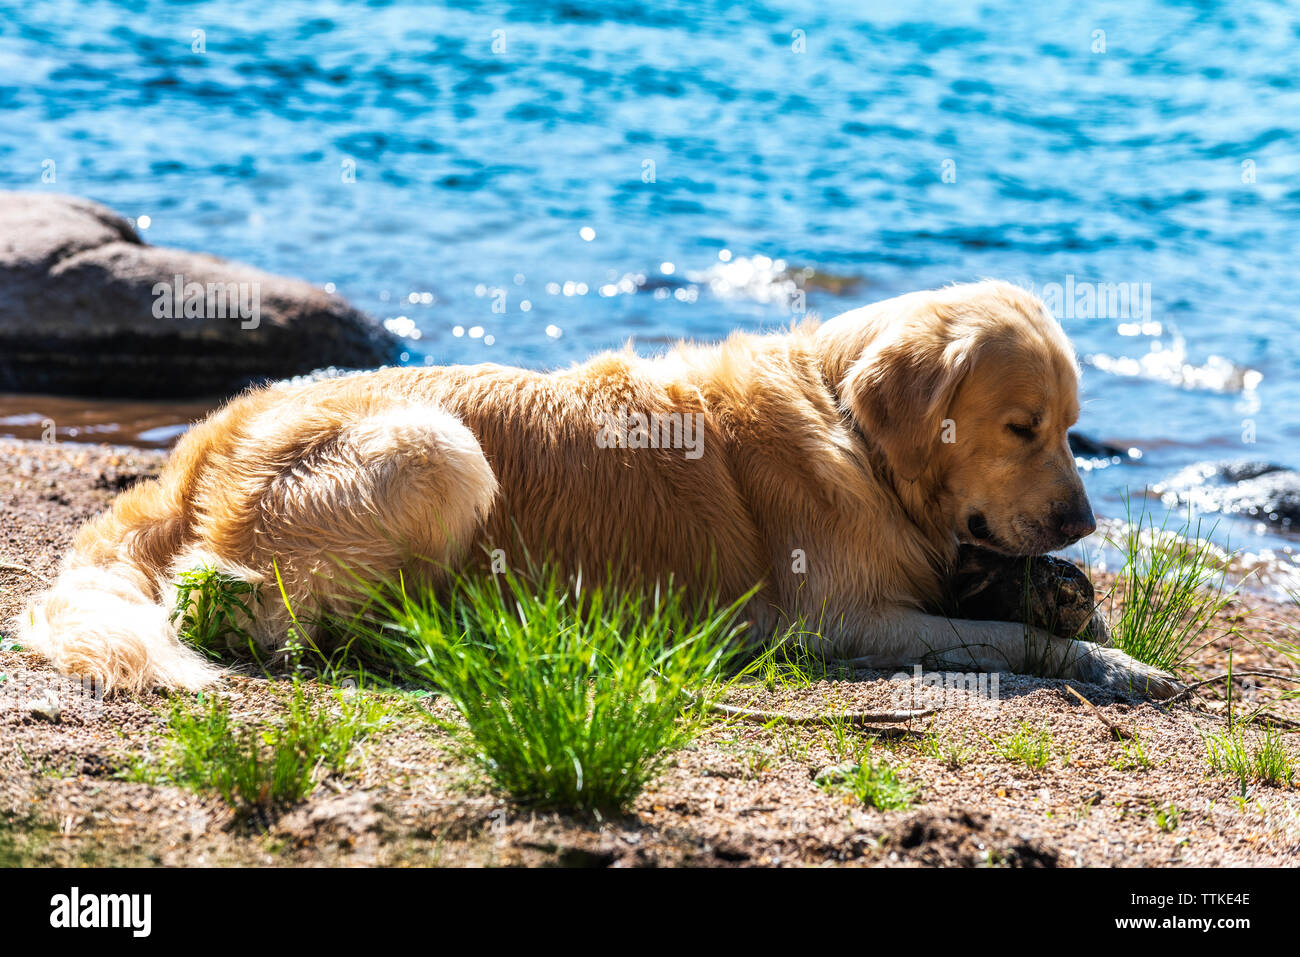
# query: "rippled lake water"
[[530, 182]]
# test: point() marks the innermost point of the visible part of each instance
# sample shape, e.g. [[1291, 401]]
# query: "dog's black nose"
[[1076, 521]]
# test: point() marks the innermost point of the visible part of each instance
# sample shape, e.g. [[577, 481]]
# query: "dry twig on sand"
[[1187, 692], [1118, 731], [853, 718]]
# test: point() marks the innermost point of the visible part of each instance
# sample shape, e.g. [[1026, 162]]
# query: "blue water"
[[477, 171]]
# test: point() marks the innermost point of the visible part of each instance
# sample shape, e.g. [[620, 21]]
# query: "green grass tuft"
[[1263, 757], [259, 768], [873, 783], [786, 663], [209, 606], [1172, 585], [571, 698], [1029, 746], [952, 752], [1167, 817], [1133, 756]]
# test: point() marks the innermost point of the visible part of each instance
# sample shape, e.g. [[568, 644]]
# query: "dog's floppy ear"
[[899, 390]]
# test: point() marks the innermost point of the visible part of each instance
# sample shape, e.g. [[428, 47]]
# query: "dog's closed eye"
[[1025, 432]]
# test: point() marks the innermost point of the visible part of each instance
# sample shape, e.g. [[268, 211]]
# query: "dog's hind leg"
[[350, 500], [314, 486]]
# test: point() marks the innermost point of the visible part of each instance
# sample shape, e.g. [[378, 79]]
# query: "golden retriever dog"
[[838, 466]]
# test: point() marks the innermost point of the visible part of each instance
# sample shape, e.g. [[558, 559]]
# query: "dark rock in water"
[[1261, 490], [87, 308], [1241, 471], [1044, 591], [1088, 448]]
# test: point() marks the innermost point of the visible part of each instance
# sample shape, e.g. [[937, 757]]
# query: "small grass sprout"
[[259, 767]]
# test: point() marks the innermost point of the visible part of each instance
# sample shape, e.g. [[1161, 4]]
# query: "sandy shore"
[[742, 794]]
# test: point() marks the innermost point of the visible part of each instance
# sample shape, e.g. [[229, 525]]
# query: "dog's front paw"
[[1096, 631], [1112, 669]]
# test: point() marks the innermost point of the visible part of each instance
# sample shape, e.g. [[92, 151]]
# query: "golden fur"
[[839, 465]]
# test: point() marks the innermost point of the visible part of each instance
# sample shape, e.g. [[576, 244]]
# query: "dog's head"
[[968, 393]]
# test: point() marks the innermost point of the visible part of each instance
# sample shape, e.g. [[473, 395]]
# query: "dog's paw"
[[1112, 669], [1096, 631]]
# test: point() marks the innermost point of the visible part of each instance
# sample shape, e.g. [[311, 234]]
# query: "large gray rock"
[[87, 308]]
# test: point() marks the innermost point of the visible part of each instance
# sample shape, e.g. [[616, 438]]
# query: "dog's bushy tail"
[[106, 617]]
